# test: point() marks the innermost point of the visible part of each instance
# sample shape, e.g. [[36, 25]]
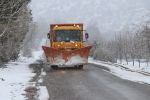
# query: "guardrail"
[[128, 69]]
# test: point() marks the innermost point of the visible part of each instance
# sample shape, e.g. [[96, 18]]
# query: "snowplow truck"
[[67, 46]]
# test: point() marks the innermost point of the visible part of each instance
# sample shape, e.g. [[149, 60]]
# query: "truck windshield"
[[67, 35]]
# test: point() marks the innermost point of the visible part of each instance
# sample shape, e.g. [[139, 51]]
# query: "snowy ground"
[[143, 65], [123, 73], [17, 75], [15, 78]]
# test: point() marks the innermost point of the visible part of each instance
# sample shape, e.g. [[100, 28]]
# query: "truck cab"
[[66, 36]]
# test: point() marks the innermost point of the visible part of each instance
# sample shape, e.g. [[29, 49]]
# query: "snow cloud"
[[110, 15]]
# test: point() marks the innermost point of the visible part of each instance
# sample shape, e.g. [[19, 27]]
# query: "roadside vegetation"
[[14, 24], [130, 46]]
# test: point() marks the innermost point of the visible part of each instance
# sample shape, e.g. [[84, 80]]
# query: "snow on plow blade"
[[66, 56]]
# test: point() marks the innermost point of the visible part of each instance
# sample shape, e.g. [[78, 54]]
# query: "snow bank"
[[15, 78], [143, 65], [122, 73], [43, 93], [35, 56]]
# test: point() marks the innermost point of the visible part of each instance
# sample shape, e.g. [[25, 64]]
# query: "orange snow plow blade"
[[67, 56]]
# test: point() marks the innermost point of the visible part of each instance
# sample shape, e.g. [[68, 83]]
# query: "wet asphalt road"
[[92, 83]]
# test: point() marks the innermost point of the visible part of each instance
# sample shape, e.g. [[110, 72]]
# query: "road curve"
[[92, 83]]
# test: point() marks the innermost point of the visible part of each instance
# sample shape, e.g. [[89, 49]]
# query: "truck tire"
[[54, 66], [80, 67]]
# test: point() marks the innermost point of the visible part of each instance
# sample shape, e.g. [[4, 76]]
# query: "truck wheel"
[[80, 67], [54, 66]]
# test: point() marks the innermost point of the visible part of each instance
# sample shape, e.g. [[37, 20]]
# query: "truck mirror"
[[48, 35], [86, 36]]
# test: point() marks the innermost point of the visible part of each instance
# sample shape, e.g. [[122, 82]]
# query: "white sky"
[[109, 15]]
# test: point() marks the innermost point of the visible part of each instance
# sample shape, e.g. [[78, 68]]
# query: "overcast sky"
[[109, 15]]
